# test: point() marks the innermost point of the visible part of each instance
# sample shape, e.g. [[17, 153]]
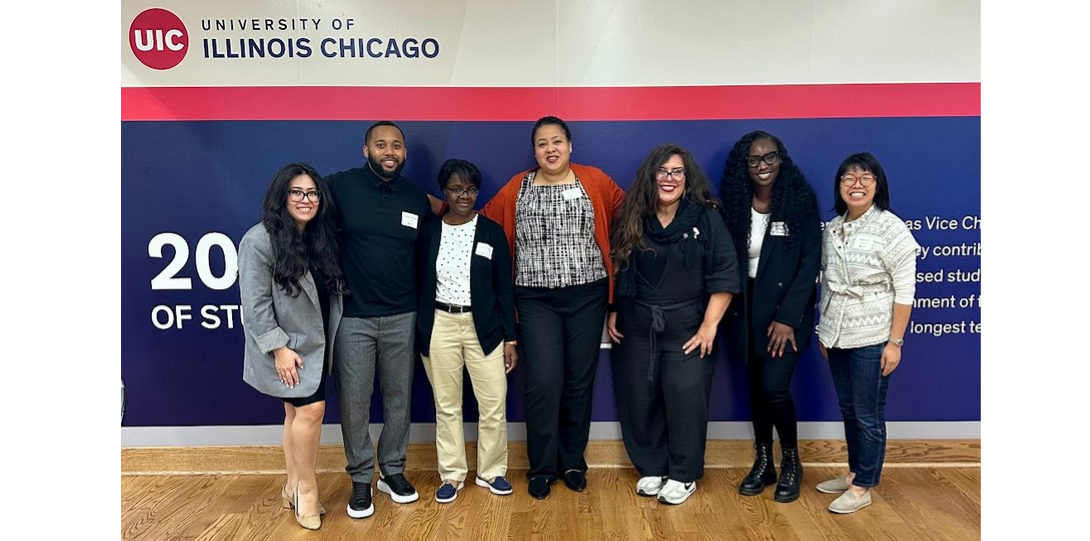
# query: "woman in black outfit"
[[676, 274], [772, 214]]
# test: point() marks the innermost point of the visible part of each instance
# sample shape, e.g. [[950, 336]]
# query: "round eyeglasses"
[[865, 179]]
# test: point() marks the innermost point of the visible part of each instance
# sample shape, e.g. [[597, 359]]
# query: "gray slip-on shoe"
[[848, 503], [834, 486]]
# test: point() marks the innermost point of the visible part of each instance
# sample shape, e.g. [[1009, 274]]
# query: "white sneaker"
[[650, 486], [676, 492]]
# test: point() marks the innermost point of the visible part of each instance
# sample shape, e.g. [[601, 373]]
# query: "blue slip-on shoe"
[[498, 486], [448, 491]]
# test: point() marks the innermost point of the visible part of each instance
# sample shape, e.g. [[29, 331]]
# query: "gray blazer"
[[273, 319]]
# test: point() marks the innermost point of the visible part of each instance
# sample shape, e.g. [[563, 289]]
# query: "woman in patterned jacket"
[[867, 288]]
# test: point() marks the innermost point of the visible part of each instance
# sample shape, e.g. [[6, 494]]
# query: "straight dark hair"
[[864, 161]]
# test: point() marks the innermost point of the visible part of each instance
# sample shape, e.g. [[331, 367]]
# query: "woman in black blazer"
[[772, 214], [466, 318]]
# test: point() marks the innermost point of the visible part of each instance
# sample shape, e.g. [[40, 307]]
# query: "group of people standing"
[[356, 273]]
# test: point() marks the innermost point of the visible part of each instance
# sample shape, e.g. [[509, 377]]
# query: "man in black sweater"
[[381, 215]]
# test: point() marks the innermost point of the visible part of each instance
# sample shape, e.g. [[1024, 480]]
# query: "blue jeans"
[[861, 391]]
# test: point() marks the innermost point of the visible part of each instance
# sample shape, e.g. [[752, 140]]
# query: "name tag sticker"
[[778, 229], [409, 219], [484, 250], [864, 242], [572, 193]]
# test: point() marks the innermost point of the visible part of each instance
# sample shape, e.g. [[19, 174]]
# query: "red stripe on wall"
[[570, 103]]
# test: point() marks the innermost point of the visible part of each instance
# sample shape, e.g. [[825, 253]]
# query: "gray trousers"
[[362, 344]]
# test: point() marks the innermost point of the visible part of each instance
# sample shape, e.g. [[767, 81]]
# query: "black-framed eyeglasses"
[[299, 195], [663, 174], [470, 191], [865, 179], [771, 158]]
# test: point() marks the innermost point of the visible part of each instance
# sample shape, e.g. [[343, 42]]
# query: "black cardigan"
[[489, 280]]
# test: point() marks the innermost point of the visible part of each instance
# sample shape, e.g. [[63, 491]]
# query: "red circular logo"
[[158, 38]]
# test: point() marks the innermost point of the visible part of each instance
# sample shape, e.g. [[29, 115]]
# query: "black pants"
[[662, 393], [560, 331], [770, 397], [770, 393]]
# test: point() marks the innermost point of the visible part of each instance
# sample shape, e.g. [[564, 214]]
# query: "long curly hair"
[[793, 198], [295, 251], [642, 197]]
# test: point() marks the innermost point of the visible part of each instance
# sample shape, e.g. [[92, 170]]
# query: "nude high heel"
[[285, 499], [310, 522], [287, 503]]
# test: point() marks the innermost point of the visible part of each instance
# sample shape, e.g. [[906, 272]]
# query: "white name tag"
[[864, 242], [484, 250], [409, 219], [572, 193], [778, 229]]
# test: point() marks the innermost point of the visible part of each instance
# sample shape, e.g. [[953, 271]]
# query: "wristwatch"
[[897, 341]]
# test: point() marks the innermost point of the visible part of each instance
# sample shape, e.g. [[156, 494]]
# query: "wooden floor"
[[914, 502]]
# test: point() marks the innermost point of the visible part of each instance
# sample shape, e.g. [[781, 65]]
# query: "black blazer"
[[489, 280], [785, 289]]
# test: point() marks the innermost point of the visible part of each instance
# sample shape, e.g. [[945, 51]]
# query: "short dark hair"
[[866, 162], [463, 169], [545, 121], [367, 136]]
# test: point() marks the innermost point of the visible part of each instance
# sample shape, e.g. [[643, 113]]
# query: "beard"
[[376, 166]]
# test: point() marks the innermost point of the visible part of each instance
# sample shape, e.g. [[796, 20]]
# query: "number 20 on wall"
[[168, 278]]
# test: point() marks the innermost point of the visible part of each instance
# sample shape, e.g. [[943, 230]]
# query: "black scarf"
[[679, 235]]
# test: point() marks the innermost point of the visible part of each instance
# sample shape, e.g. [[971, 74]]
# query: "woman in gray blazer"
[[291, 285]]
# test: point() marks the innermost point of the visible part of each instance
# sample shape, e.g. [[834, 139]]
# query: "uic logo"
[[158, 38]]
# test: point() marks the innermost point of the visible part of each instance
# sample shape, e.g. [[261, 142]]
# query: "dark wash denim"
[[861, 391]]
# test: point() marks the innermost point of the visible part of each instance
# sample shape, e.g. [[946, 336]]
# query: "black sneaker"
[[398, 487], [359, 505]]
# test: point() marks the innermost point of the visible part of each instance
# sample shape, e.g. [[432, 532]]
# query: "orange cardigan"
[[605, 196]]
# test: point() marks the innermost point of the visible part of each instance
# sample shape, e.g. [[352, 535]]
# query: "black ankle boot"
[[787, 490], [762, 474]]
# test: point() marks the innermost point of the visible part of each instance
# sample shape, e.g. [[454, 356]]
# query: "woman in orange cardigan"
[[557, 218]]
